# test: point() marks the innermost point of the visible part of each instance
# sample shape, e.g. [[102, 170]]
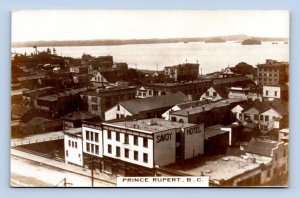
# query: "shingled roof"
[[261, 147], [137, 106]]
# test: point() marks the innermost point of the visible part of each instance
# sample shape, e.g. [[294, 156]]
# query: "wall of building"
[[73, 149], [166, 115], [271, 92], [92, 143], [193, 141], [165, 147], [210, 94], [131, 146], [116, 112]]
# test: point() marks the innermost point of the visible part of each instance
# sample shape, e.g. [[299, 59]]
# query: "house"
[[210, 114], [146, 108], [142, 92], [104, 78], [181, 106], [75, 118], [73, 148], [273, 154], [213, 94], [99, 100], [272, 92], [267, 115], [247, 93]]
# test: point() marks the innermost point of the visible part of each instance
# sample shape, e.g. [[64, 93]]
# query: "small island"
[[215, 40], [251, 42]]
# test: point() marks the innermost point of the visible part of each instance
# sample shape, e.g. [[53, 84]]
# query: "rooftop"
[[207, 107], [221, 167], [78, 115], [137, 106], [234, 79], [100, 92], [261, 147], [213, 131], [152, 125]]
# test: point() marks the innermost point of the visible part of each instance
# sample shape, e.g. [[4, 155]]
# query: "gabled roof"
[[261, 147], [219, 91], [146, 104], [191, 104], [261, 107], [78, 115]]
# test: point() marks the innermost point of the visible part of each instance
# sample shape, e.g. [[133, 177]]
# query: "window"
[[109, 134], [256, 117], [118, 107], [79, 156], [96, 137], [127, 153], [214, 94], [95, 107], [117, 151], [69, 143], [136, 155], [92, 148], [67, 153], [207, 93], [88, 147], [261, 117], [266, 118], [94, 99], [267, 92], [87, 135], [72, 144], [126, 139], [97, 149], [145, 157], [145, 142], [275, 93], [117, 136], [75, 144], [92, 136], [136, 140], [109, 148]]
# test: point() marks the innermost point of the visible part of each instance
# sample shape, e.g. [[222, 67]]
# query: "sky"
[[38, 25]]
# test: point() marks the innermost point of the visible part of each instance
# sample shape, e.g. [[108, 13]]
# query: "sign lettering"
[[193, 130], [163, 137]]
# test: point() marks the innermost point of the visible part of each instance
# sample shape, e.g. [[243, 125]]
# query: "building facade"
[[99, 100], [182, 72], [138, 147], [272, 72]]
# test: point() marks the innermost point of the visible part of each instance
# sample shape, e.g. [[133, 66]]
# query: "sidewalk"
[[67, 167]]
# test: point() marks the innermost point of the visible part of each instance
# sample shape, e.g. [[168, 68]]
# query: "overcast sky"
[[35, 25]]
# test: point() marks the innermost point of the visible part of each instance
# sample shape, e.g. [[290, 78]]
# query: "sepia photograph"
[[149, 98]]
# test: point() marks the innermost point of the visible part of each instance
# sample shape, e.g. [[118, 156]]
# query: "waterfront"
[[211, 56]]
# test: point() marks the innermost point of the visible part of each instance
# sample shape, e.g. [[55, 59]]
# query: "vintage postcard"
[[149, 98]]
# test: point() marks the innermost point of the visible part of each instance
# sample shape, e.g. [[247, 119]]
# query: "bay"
[[211, 56]]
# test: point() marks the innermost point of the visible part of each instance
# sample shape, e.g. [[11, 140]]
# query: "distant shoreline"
[[111, 42]]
